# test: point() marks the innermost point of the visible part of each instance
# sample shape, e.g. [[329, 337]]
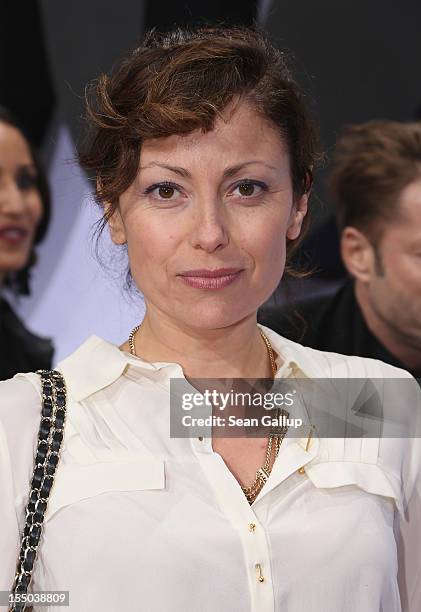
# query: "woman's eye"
[[247, 189], [163, 191], [166, 192], [26, 180]]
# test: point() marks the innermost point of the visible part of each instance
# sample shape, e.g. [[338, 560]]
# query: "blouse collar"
[[97, 363]]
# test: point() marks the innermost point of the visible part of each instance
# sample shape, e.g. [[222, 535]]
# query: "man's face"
[[395, 289]]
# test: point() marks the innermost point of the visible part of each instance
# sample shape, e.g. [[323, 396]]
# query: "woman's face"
[[20, 202], [221, 199]]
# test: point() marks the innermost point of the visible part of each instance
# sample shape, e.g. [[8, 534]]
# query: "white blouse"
[[138, 520]]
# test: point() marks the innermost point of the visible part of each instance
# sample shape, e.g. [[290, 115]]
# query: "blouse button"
[[260, 577], [252, 526], [301, 470]]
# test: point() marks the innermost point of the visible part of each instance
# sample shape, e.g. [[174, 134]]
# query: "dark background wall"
[[25, 83], [51, 50], [357, 60]]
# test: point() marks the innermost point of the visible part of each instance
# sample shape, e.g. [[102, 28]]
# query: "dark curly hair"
[[179, 81], [19, 282]]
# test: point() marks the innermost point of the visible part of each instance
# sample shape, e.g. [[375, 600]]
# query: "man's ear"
[[298, 212], [357, 254], [115, 224]]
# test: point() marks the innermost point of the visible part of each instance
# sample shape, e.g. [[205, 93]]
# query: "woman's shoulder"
[[384, 399], [95, 364], [20, 395], [20, 406]]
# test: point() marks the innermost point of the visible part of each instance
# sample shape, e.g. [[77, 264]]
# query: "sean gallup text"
[[265, 420]]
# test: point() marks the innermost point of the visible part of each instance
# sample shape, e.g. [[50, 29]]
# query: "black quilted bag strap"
[[47, 456]]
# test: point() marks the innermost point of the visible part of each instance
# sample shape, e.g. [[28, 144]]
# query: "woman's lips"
[[217, 282], [13, 235]]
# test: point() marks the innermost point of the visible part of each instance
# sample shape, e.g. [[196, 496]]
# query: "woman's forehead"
[[241, 134], [13, 146]]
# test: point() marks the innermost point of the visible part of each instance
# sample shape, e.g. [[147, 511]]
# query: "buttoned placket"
[[243, 516], [235, 506]]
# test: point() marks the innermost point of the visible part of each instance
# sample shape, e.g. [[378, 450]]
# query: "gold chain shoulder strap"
[[50, 437]]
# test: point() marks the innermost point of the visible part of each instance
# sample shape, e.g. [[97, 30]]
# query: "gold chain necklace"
[[276, 434]]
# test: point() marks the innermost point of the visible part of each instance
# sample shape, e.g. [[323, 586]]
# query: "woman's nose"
[[11, 198], [210, 230]]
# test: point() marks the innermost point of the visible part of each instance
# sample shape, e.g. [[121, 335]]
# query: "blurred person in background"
[[24, 217], [376, 189]]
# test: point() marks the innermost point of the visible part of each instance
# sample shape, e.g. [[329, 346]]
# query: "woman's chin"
[[11, 265], [216, 320]]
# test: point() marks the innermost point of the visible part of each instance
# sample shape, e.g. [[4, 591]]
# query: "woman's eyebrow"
[[227, 172], [234, 169]]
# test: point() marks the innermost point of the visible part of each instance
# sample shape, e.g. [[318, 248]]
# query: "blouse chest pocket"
[[355, 461], [75, 482]]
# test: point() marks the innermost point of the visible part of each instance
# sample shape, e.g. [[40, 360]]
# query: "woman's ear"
[[298, 212], [115, 224], [113, 216]]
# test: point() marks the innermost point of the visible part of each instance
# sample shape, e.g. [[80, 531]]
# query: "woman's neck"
[[236, 351]]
